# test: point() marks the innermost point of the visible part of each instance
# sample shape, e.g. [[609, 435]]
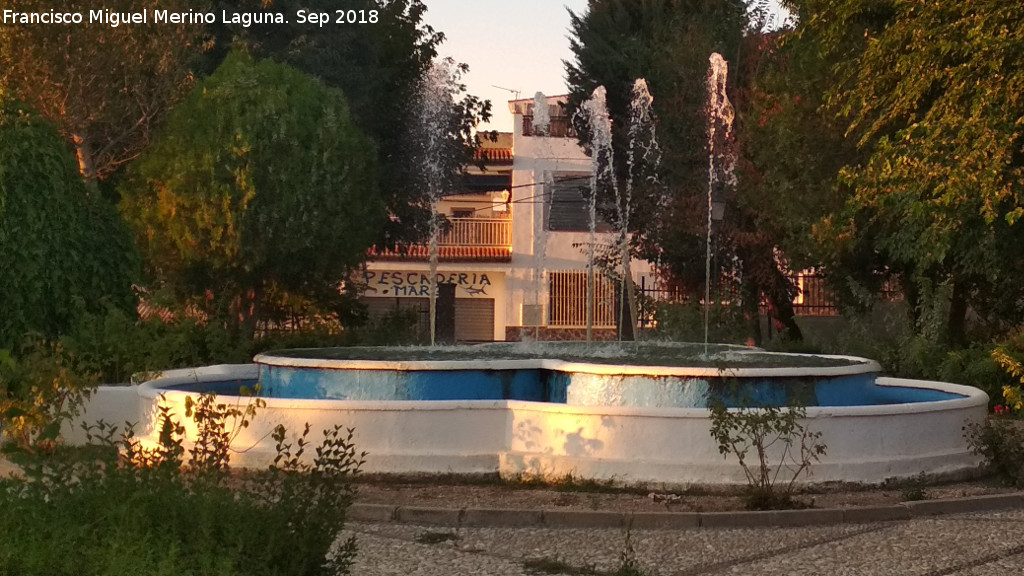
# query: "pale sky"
[[518, 45]]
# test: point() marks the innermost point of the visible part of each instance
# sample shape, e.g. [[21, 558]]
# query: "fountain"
[[594, 410]]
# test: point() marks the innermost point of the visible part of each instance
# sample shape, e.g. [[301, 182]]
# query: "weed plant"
[[1000, 440], [770, 443], [119, 507]]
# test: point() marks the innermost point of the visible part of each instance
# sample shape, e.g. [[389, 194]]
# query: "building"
[[517, 246]]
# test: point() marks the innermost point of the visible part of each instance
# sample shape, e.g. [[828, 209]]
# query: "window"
[[568, 207]]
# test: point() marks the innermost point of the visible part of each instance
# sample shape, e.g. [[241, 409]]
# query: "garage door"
[[474, 319]]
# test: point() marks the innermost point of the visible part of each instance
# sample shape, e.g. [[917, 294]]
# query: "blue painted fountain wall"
[[538, 385]]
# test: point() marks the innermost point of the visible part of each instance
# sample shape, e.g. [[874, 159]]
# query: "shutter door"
[[474, 319]]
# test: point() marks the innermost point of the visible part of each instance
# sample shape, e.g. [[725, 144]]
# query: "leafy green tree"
[[931, 94], [668, 42], [260, 183], [380, 68], [106, 88], [62, 249]]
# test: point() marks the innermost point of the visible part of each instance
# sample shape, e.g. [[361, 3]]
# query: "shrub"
[[122, 508], [117, 344], [63, 246], [780, 441], [685, 323], [41, 386], [1000, 440]]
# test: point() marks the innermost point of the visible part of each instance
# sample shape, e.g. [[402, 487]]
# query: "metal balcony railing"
[[485, 232]]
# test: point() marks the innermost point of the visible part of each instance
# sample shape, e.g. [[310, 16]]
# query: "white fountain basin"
[[670, 446]]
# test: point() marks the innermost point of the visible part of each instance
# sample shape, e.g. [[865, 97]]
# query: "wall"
[[536, 160]]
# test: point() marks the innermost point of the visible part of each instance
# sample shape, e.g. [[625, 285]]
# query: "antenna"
[[516, 92]]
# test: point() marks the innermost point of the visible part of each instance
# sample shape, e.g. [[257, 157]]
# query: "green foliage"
[[116, 345], [42, 385], [886, 334], [1009, 356], [259, 183], [667, 42], [685, 323], [780, 441], [914, 489], [1000, 440], [379, 68], [106, 88], [930, 94], [137, 510], [63, 248]]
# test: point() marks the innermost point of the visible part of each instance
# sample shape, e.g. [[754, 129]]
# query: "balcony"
[[558, 127], [463, 240]]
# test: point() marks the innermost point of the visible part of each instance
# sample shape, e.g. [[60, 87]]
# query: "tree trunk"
[[249, 311], [750, 300], [912, 294], [86, 162], [782, 306], [957, 323]]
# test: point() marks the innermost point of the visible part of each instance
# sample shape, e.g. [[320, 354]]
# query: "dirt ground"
[[447, 492]]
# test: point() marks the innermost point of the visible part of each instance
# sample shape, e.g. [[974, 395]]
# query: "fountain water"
[[721, 162], [541, 127], [596, 110], [641, 167], [541, 115], [643, 159], [436, 116]]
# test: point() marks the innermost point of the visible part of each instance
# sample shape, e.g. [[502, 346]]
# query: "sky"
[[518, 46], [513, 48]]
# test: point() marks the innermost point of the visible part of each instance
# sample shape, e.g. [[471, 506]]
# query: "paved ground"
[[979, 544]]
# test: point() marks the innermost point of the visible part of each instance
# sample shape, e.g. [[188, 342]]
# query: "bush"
[[772, 432], [685, 323], [121, 508], [1000, 440], [115, 344], [63, 247], [41, 386]]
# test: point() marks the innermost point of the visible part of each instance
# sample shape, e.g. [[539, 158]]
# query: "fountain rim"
[[857, 365], [167, 384]]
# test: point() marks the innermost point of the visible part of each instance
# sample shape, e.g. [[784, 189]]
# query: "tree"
[[668, 42], [260, 183], [380, 68], [106, 88], [62, 250], [930, 93]]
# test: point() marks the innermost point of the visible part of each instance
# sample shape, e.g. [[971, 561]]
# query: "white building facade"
[[517, 248]]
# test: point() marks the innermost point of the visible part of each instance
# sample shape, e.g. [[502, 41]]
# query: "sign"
[[410, 283]]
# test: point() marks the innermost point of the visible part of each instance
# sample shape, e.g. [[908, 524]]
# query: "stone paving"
[[977, 544]]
